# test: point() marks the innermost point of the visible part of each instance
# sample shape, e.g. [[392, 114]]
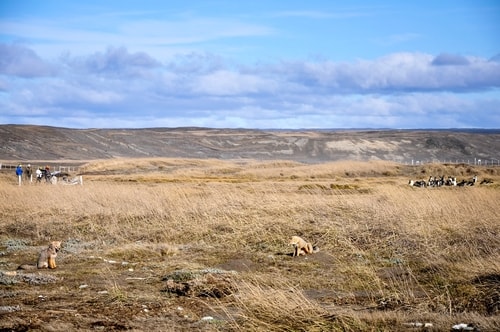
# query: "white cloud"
[[395, 73], [224, 82], [446, 59], [18, 60], [133, 89]]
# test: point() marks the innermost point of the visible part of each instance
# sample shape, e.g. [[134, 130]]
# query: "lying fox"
[[46, 259], [301, 247]]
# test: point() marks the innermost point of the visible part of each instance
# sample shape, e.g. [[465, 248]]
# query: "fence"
[[53, 167], [475, 161], [413, 162]]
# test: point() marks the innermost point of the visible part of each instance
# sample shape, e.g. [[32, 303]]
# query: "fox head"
[[295, 240], [56, 245]]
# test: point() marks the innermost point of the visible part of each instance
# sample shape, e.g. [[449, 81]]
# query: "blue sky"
[[250, 64]]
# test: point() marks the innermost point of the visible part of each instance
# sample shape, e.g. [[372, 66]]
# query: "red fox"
[[301, 247]]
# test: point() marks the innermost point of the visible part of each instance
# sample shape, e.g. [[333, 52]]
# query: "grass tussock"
[[390, 254]]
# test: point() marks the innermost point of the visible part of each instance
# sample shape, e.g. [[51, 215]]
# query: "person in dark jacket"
[[29, 173]]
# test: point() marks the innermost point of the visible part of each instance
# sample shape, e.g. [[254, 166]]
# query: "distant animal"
[[472, 181], [302, 247], [487, 181], [418, 183], [452, 181], [435, 181]]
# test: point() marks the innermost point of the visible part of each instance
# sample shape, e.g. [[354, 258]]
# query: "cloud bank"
[[119, 88]]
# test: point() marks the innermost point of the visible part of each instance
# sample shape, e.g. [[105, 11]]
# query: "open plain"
[[170, 244], [182, 230]]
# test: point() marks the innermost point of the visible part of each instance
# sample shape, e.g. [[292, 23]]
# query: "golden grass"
[[390, 253]]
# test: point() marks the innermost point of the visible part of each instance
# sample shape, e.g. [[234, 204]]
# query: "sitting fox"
[[47, 257], [301, 247]]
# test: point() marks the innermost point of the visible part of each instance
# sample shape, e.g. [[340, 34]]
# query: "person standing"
[[19, 173], [39, 174], [29, 173]]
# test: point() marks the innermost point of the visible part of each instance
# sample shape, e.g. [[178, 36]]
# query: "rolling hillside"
[[24, 142]]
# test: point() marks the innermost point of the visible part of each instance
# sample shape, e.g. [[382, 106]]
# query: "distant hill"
[[25, 142]]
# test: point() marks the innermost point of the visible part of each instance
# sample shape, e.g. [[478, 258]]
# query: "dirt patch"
[[238, 265], [38, 278], [201, 283]]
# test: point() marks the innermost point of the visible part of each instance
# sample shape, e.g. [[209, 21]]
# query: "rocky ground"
[[100, 293]]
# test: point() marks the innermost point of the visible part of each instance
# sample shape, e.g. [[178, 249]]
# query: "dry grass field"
[[199, 244]]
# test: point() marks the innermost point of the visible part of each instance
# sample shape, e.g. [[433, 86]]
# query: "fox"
[[301, 247], [46, 259]]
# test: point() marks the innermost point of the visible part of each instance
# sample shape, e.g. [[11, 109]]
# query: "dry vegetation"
[[164, 244]]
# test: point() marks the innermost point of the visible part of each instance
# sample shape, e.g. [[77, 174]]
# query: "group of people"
[[28, 172]]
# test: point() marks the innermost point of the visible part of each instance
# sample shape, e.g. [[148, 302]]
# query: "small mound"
[[202, 283]]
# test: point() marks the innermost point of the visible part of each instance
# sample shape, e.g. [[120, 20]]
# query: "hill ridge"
[[31, 142]]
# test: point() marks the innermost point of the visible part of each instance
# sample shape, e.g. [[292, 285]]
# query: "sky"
[[250, 64]]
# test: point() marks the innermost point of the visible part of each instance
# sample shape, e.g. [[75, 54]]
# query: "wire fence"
[[474, 161], [413, 162], [52, 167]]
